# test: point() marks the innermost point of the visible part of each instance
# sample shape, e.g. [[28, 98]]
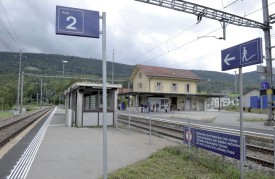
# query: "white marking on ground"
[[23, 166]]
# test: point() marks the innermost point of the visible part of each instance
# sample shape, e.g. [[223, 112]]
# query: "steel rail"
[[212, 128], [260, 161], [177, 133], [11, 130]]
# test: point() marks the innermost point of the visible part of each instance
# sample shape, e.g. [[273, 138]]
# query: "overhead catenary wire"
[[9, 33], [174, 36], [197, 39], [6, 45], [17, 42], [180, 46]]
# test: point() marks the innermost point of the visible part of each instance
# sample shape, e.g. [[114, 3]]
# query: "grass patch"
[[172, 162], [252, 119], [32, 107], [253, 110], [5, 114]]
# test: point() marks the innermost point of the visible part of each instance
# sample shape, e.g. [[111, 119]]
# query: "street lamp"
[[64, 61], [209, 90]]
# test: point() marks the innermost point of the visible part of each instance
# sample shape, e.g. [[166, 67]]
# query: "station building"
[[160, 87], [84, 104]]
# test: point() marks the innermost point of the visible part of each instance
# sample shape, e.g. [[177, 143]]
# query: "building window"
[[140, 86], [174, 87], [188, 88], [158, 86], [140, 75]]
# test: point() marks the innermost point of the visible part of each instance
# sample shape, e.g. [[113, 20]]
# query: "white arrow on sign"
[[226, 60]]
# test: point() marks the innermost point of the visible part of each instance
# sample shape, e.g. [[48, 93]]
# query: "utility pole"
[[268, 59], [113, 66], [22, 92], [18, 85], [19, 79], [41, 95], [37, 96]]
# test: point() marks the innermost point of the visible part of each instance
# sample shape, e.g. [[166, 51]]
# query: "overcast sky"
[[139, 33]]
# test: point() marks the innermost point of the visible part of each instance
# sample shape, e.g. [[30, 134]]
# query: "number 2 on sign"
[[72, 21]]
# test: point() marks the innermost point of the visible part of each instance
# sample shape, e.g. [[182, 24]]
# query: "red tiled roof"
[[167, 72]]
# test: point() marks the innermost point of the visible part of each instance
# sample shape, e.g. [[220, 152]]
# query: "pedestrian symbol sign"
[[245, 54]]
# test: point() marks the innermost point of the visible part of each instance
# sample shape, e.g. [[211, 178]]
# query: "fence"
[[204, 133]]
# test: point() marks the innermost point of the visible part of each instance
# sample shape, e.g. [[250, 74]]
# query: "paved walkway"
[[71, 153]]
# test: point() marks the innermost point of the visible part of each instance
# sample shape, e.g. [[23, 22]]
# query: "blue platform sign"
[[245, 54], [221, 143], [77, 22], [264, 85]]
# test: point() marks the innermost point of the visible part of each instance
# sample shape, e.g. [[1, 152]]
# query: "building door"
[[188, 104], [201, 105], [174, 103]]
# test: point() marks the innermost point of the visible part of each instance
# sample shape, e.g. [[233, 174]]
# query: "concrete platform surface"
[[69, 153]]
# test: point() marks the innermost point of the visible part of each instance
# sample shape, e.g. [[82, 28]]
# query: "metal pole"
[[189, 145], [241, 124], [224, 30], [113, 66], [22, 92], [41, 95], [19, 78], [274, 150], [105, 161], [268, 58], [63, 68], [261, 99], [129, 122], [236, 91], [150, 126]]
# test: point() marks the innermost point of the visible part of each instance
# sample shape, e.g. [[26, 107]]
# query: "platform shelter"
[[84, 104]]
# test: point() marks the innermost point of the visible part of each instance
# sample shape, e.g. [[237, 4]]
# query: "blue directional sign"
[[245, 54], [77, 22], [265, 85]]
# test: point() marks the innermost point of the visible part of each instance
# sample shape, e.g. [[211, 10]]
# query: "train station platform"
[[69, 152]]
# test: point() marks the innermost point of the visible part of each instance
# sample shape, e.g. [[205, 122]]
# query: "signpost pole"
[[189, 145], [105, 162], [129, 122], [241, 124], [150, 126]]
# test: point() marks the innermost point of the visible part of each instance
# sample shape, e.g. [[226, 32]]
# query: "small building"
[[84, 104], [162, 88], [247, 98]]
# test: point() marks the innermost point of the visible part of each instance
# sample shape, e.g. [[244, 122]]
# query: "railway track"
[[256, 151], [11, 127]]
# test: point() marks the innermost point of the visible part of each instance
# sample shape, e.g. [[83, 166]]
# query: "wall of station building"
[[180, 103]]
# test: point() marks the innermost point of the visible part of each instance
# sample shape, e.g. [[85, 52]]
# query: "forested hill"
[[50, 64]]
